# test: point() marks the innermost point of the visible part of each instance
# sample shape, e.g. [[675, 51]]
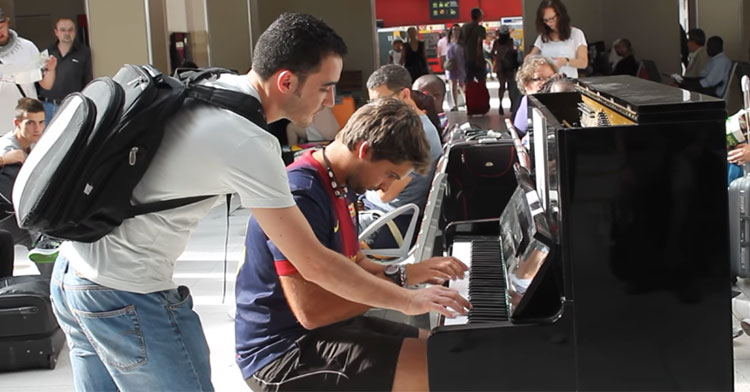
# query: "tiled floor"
[[201, 267]]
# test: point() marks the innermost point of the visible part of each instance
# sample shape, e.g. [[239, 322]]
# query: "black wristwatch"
[[396, 273]]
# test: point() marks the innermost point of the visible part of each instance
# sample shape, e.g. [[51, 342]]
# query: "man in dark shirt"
[[627, 64], [290, 333], [473, 34], [73, 66]]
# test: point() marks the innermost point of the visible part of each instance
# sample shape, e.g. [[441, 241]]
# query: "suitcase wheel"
[[51, 361]]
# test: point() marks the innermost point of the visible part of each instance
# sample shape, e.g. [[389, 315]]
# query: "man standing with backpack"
[[128, 325]]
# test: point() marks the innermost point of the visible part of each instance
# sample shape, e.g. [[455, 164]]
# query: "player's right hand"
[[438, 299]]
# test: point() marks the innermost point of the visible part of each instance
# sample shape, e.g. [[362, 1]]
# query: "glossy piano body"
[[639, 213]]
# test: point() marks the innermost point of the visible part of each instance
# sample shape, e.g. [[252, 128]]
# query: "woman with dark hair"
[[455, 63], [415, 59], [564, 44]]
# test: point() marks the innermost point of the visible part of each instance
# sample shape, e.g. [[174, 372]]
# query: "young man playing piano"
[[293, 334]]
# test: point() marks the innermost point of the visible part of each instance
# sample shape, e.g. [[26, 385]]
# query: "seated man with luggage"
[[393, 81], [15, 146], [291, 334]]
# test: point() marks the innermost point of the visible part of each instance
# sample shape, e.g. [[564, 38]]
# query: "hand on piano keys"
[[435, 270], [439, 299]]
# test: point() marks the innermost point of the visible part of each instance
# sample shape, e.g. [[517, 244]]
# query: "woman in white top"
[[562, 43]]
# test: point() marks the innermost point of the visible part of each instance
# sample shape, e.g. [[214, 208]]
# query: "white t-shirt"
[[396, 56], [567, 48], [205, 151], [442, 46], [23, 52]]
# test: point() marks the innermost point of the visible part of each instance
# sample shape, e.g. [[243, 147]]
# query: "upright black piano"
[[634, 290]]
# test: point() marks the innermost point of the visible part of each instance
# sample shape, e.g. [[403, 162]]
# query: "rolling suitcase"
[[480, 175], [477, 97], [739, 212], [29, 334]]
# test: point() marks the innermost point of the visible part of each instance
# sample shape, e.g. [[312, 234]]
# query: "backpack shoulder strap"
[[243, 104], [148, 208], [191, 76]]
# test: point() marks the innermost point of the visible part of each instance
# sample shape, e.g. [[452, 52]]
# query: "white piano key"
[[462, 251]]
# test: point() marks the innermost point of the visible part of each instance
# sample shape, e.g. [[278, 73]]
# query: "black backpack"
[[78, 181]]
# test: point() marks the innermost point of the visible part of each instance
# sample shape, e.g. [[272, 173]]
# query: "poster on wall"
[[443, 9]]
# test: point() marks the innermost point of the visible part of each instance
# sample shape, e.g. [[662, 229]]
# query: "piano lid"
[[645, 99]]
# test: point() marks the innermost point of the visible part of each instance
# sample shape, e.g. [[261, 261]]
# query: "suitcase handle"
[[21, 310]]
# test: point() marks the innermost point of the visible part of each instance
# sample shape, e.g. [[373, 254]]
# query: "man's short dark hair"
[[392, 129], [714, 45], [28, 105], [297, 42], [697, 36], [476, 13], [65, 18], [395, 77]]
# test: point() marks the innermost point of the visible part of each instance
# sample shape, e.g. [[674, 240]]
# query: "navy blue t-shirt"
[[265, 326]]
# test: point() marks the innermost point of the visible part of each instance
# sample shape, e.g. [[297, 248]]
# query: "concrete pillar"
[[353, 20], [727, 19], [127, 32], [229, 34]]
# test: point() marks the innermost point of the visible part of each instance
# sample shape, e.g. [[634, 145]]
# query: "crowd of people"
[[304, 284], [304, 272]]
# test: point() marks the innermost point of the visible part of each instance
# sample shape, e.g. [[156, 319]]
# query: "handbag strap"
[[18, 86]]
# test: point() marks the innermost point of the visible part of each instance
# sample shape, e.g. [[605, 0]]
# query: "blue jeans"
[[49, 111], [127, 341]]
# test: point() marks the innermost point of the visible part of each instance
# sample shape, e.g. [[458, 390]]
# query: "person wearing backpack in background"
[[128, 325], [506, 61]]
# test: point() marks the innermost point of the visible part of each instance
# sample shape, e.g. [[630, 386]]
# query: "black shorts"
[[354, 355]]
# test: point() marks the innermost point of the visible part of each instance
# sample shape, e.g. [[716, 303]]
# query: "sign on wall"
[[443, 9]]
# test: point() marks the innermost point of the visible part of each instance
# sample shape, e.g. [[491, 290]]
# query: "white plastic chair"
[[386, 219]]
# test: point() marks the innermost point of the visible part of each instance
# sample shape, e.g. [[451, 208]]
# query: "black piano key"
[[487, 284]]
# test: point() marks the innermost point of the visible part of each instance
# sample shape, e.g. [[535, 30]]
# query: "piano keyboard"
[[485, 286]]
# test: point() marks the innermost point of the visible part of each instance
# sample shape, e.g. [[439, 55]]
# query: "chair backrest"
[[428, 229], [649, 71], [384, 220], [733, 92]]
